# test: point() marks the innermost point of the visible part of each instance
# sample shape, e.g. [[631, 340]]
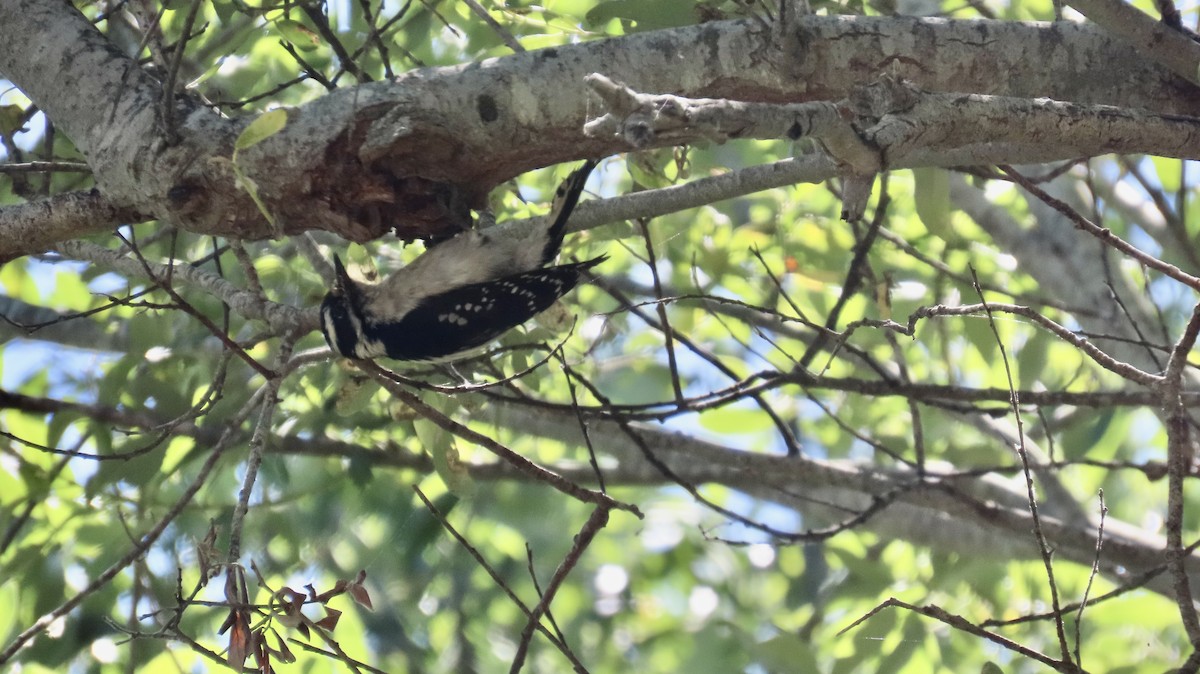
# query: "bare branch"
[[37, 226]]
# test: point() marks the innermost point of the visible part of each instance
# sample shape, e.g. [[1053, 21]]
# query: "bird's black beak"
[[341, 280]]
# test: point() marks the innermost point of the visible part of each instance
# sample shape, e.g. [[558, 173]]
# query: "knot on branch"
[[640, 119], [886, 96], [645, 120]]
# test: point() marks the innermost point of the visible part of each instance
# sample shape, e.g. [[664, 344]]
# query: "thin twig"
[[785, 431], [498, 29], [854, 276], [373, 38], [962, 624], [1101, 358], [583, 539], [309, 71], [877, 504], [1091, 578], [1104, 234], [661, 308], [168, 92], [521, 463], [186, 307], [441, 518], [1179, 461], [1038, 532], [258, 444], [345, 59], [583, 426], [46, 166], [20, 518], [537, 586]]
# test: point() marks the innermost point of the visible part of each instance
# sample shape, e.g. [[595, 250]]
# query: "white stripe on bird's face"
[[330, 330]]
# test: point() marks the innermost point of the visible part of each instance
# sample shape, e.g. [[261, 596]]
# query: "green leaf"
[[787, 653], [421, 528], [70, 291], [557, 319], [251, 188], [931, 193], [360, 471], [145, 332], [520, 360], [114, 382], [11, 117], [266, 125], [13, 489], [440, 445], [298, 34], [135, 472], [736, 420], [225, 9], [643, 15], [56, 426], [354, 394], [1034, 364], [10, 595], [647, 382], [979, 331]]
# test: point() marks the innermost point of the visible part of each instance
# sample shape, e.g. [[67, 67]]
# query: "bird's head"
[[341, 313]]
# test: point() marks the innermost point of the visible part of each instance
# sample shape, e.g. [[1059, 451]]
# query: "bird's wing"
[[465, 318]]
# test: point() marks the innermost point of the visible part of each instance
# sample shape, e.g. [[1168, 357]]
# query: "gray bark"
[[415, 152]]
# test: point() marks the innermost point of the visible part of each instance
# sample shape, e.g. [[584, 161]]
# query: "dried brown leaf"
[[330, 621], [241, 642], [360, 595]]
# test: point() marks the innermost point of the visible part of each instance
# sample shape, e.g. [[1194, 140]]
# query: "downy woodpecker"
[[457, 296]]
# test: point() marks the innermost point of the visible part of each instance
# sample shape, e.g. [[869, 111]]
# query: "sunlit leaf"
[[11, 117], [645, 15], [298, 34], [263, 127]]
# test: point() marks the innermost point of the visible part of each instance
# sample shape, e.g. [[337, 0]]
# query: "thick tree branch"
[[968, 516], [36, 226], [902, 126], [414, 153], [990, 516], [281, 318], [1162, 43]]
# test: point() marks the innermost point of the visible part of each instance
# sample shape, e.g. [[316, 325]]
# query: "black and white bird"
[[459, 295]]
